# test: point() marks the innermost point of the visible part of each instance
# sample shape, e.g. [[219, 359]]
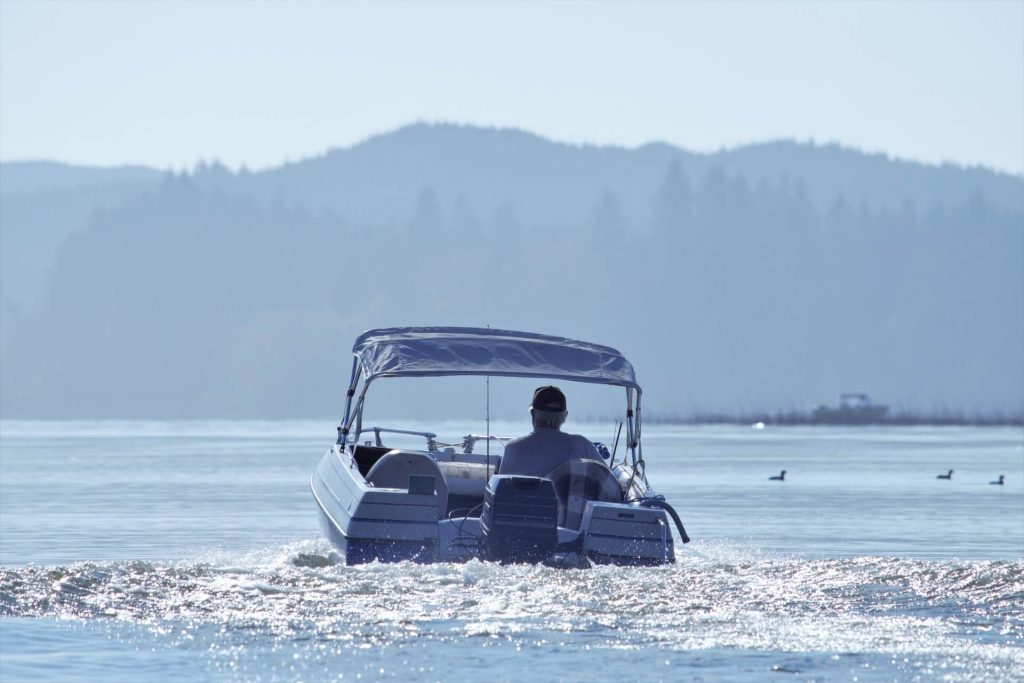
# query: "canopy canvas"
[[445, 351]]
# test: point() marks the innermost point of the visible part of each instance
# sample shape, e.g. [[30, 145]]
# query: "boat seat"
[[576, 482], [367, 456], [394, 468]]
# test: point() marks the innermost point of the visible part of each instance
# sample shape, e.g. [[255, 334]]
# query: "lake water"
[[190, 551]]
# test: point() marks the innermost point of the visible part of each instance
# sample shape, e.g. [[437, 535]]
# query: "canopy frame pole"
[[639, 452], [357, 413], [630, 426], [353, 383], [639, 394]]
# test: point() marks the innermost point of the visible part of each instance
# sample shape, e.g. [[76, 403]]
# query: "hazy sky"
[[168, 84]]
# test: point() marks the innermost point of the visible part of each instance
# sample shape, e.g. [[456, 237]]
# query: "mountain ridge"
[[12, 173]]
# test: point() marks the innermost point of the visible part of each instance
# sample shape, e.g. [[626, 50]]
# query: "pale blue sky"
[[170, 83]]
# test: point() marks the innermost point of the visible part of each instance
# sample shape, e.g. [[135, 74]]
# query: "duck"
[[780, 477], [999, 482], [945, 476]]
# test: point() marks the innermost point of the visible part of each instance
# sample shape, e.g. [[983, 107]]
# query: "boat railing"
[[377, 431], [469, 441]]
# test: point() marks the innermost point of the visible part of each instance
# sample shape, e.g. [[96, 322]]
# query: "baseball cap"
[[548, 399]]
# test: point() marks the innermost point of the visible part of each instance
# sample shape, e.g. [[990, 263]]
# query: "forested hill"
[[549, 185], [770, 276]]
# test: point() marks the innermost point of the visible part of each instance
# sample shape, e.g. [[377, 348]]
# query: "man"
[[546, 447]]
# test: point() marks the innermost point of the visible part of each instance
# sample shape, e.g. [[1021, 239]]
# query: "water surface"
[[155, 551]]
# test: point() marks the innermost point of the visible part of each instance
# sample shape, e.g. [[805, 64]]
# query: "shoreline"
[[794, 418]]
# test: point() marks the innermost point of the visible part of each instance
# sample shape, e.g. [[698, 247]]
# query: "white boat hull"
[[368, 523]]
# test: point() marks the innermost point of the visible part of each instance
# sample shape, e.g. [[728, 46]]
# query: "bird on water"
[[780, 477], [945, 476], [999, 482]]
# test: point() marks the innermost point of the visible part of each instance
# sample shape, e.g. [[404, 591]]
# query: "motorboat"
[[853, 409], [449, 502]]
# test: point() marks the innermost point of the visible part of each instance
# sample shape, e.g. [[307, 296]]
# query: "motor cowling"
[[519, 519]]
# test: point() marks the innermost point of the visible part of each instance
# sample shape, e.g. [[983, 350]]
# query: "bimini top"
[[441, 351]]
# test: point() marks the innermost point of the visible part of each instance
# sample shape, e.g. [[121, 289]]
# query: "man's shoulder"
[[586, 444], [517, 440], [538, 438], [579, 437]]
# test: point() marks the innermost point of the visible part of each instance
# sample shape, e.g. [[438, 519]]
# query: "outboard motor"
[[520, 519]]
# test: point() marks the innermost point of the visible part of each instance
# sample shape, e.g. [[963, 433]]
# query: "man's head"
[[548, 407]]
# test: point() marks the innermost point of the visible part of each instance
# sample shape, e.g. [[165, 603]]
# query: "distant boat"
[[853, 409], [781, 477], [948, 475], [999, 482]]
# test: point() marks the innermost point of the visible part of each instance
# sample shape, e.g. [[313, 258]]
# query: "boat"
[[853, 409], [449, 502]]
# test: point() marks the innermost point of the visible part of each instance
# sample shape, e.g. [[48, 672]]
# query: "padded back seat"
[[393, 470], [580, 480], [466, 483], [467, 478], [367, 456]]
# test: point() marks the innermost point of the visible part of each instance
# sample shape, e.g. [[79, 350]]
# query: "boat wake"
[[967, 618]]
